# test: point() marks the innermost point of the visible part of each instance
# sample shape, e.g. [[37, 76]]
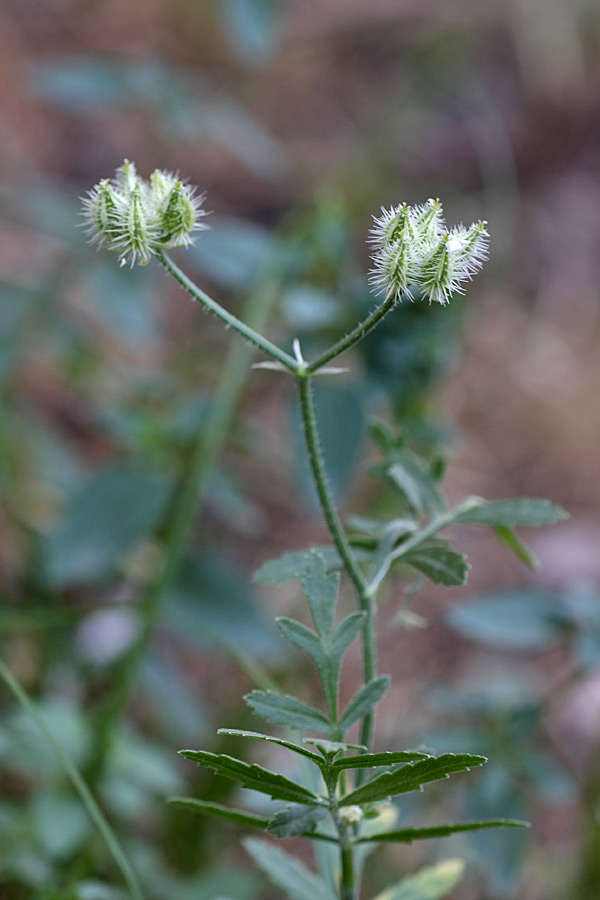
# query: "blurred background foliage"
[[131, 434]]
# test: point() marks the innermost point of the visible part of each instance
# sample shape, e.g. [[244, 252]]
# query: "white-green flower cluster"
[[138, 218], [415, 251]]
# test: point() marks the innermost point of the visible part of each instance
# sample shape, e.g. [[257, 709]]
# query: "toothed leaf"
[[371, 760], [296, 748], [252, 776], [408, 835], [412, 777]]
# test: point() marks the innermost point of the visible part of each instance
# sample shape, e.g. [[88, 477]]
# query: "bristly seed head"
[[138, 218], [413, 249]]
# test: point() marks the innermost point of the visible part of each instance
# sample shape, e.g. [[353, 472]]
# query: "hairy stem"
[[365, 596], [231, 321], [356, 335], [79, 785]]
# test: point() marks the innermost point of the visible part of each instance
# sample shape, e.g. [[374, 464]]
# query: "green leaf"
[[415, 482], [412, 777], [363, 701], [302, 638], [296, 748], [520, 620], [511, 540], [520, 511], [212, 603], [438, 563], [296, 820], [252, 776], [285, 710], [290, 566], [346, 632], [321, 591], [218, 811], [428, 884], [371, 760], [408, 835], [102, 522], [388, 539], [235, 250], [288, 873]]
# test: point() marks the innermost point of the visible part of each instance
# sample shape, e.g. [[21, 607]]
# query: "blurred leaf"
[[95, 890], [511, 513], [439, 563], [413, 478], [124, 299], [412, 777], [501, 852], [522, 620], [252, 777], [285, 710], [428, 884], [295, 820], [175, 705], [307, 309], [510, 539], [232, 252], [408, 835], [22, 750], [218, 811], [363, 701], [288, 873], [102, 522], [60, 823], [252, 27], [81, 82], [289, 566], [212, 602]]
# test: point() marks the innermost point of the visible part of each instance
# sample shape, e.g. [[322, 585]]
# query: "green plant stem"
[[231, 321], [193, 484], [356, 335], [348, 880], [365, 595], [79, 785], [347, 868]]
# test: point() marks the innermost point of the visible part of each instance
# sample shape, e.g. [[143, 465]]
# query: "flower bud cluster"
[[138, 218], [415, 251]]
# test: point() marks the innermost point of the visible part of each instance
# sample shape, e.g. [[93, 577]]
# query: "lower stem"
[[365, 597], [348, 880]]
